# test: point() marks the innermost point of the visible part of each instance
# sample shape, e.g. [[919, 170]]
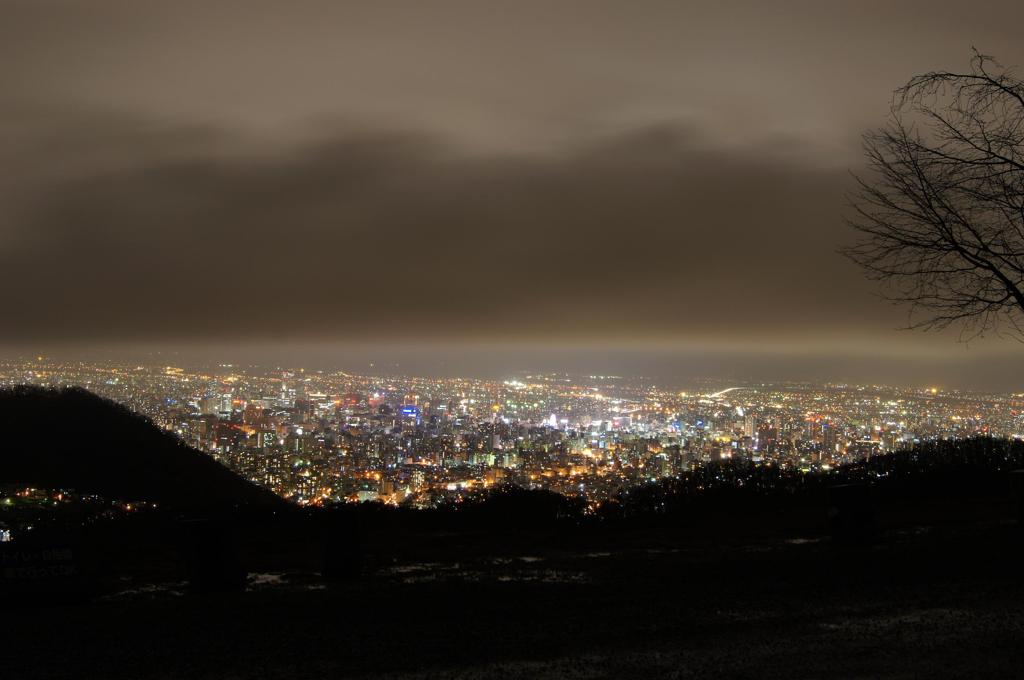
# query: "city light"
[[331, 437]]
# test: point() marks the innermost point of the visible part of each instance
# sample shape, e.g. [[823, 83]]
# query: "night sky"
[[655, 187]]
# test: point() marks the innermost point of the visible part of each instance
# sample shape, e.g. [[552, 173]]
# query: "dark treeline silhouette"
[[944, 469], [498, 509]]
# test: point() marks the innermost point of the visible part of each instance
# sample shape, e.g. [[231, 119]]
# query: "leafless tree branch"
[[940, 211]]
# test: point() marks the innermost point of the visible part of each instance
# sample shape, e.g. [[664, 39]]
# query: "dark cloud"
[[370, 234]]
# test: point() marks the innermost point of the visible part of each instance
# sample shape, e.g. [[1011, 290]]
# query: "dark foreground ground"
[[939, 594]]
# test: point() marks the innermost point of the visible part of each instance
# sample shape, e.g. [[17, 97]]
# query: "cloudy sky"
[[470, 185]]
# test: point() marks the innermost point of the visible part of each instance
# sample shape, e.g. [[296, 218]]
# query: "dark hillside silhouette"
[[73, 439], [942, 470]]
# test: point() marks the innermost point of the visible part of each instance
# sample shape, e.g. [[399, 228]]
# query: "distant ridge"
[[73, 439]]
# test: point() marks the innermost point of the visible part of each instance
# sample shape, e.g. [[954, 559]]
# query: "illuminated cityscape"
[[319, 437]]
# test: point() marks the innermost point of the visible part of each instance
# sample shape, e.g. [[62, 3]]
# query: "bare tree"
[[940, 211]]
